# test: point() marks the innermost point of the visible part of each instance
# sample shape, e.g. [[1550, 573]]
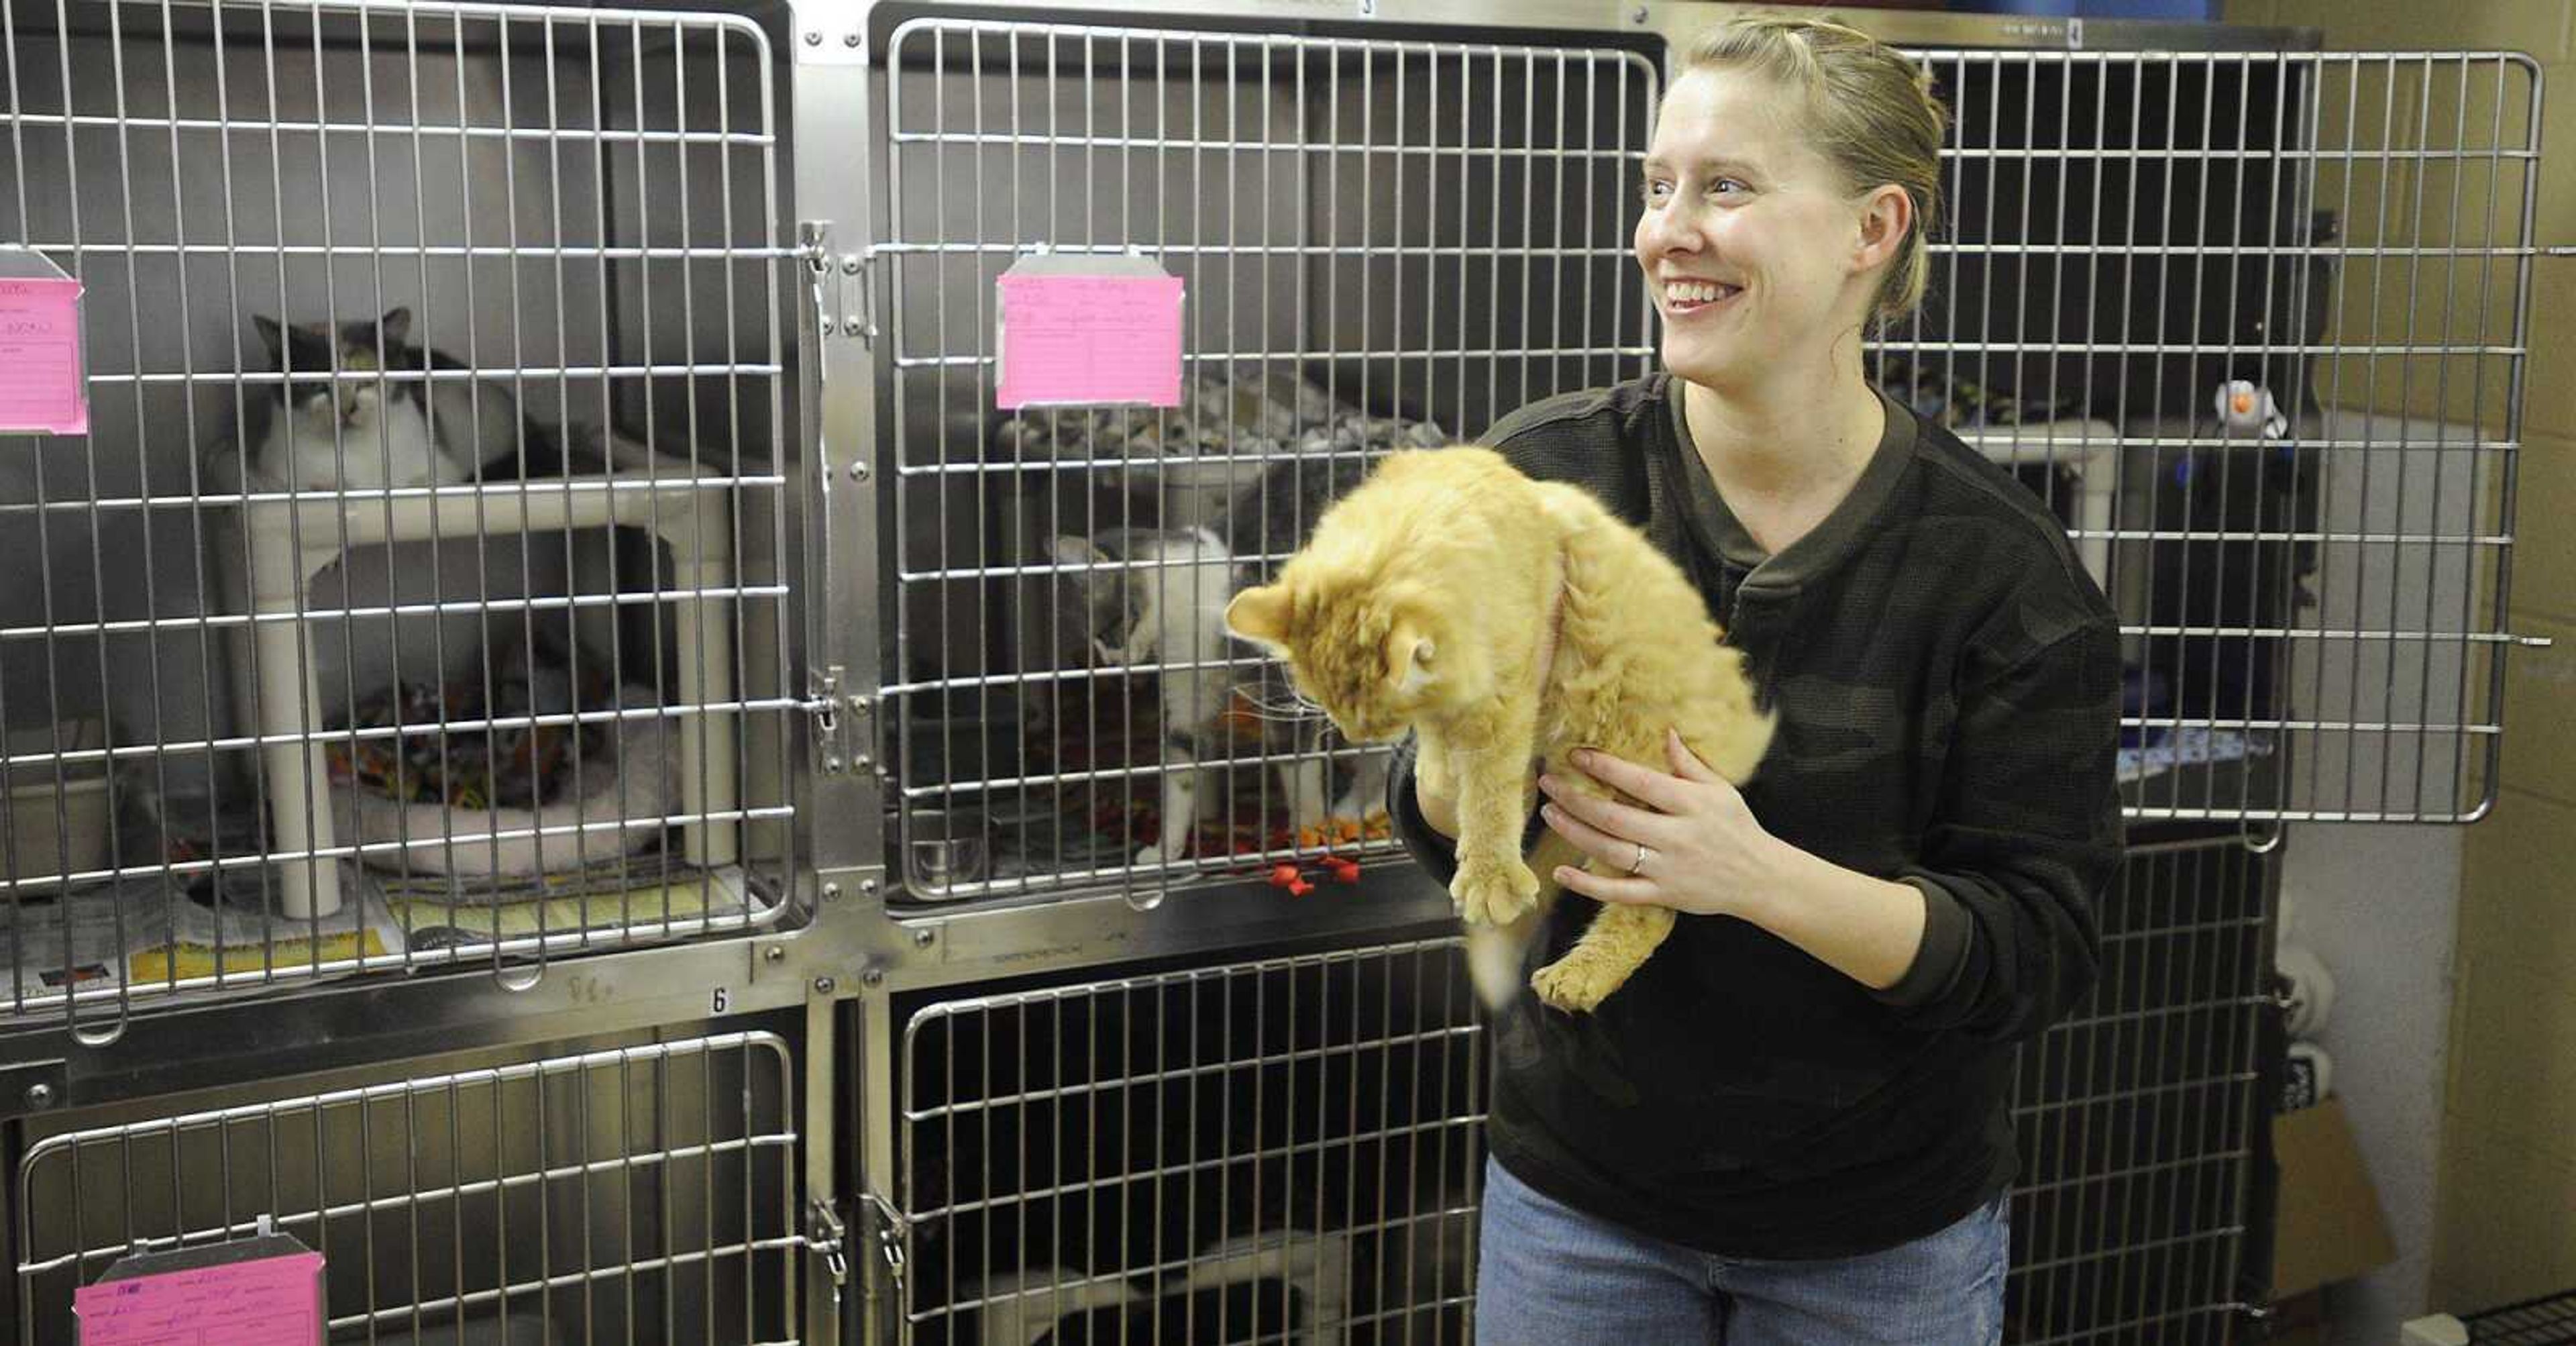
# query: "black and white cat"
[[331, 426]]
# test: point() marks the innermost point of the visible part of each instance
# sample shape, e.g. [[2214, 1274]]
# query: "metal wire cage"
[[2135, 1116], [2251, 321], [643, 1194], [1385, 244], [1282, 1150], [2255, 323], [417, 592]]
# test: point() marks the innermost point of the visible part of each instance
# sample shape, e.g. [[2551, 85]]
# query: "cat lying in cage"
[[1424, 602], [327, 433]]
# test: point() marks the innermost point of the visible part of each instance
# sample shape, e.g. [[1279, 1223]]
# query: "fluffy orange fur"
[[1421, 602]]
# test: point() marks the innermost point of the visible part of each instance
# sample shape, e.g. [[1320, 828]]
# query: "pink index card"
[[40, 356], [266, 1302], [1089, 333]]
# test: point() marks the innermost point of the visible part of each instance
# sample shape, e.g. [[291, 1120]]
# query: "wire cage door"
[[415, 593], [642, 1194], [1383, 244], [2255, 323], [1277, 1150]]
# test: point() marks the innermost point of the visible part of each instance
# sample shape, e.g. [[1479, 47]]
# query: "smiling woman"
[[1790, 1124]]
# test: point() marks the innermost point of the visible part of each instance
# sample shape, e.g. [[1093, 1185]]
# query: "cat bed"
[[395, 793], [1217, 442]]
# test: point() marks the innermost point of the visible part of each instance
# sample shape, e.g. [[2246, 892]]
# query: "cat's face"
[[1370, 658], [310, 354]]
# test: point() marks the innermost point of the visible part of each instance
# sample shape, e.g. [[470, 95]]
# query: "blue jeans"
[[1549, 1275]]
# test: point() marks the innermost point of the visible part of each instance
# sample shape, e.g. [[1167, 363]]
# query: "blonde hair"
[[1869, 111]]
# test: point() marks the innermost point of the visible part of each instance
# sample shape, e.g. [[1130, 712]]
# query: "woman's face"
[[1756, 254]]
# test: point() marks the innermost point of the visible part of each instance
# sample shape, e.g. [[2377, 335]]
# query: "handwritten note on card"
[[1079, 331], [266, 1302], [41, 387]]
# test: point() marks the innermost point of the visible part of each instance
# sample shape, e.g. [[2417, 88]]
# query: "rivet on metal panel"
[[1637, 15], [858, 471], [861, 704], [874, 976], [850, 39], [862, 762], [825, 324], [825, 986], [814, 37], [831, 892], [832, 765], [40, 1096], [775, 953], [850, 265], [868, 886], [924, 938]]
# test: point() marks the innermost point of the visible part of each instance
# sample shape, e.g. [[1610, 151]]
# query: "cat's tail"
[[1498, 955]]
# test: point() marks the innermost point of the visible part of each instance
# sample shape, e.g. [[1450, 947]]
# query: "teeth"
[[1696, 291]]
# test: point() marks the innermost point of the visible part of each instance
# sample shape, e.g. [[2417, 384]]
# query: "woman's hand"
[[1703, 852]]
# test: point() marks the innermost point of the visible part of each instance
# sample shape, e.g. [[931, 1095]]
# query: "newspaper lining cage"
[[418, 586]]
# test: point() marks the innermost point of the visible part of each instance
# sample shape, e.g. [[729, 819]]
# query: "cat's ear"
[[396, 325], [1411, 658], [1260, 615], [270, 334]]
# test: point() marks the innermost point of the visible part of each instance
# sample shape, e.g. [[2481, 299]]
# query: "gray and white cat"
[[332, 426], [1156, 599]]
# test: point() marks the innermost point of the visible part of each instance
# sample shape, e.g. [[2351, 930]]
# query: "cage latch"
[[831, 726], [824, 1234], [892, 1233]]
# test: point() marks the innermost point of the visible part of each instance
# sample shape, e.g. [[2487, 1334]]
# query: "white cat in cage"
[[1154, 601]]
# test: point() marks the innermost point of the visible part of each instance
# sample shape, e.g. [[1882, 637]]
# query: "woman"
[[1790, 1126]]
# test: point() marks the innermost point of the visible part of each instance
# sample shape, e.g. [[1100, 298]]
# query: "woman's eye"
[[1725, 186], [1654, 190]]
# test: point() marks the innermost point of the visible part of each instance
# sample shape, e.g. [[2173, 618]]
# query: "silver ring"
[[1644, 853]]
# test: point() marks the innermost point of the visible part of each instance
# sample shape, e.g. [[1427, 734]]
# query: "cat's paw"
[[1151, 855], [1577, 982], [1493, 892]]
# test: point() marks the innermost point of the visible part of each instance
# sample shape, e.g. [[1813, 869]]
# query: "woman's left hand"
[[1703, 852]]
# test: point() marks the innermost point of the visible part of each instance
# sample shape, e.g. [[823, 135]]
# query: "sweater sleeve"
[[2026, 839], [1437, 855]]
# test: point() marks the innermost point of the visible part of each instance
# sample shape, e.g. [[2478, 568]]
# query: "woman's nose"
[[1670, 229]]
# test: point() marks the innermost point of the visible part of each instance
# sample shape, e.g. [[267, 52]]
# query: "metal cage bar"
[[455, 635], [643, 1194]]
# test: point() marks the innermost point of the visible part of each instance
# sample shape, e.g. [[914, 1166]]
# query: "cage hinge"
[[891, 1231]]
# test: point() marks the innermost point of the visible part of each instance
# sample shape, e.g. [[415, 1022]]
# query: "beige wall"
[[2505, 1224]]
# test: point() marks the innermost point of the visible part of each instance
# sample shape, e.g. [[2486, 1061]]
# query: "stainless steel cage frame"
[[856, 945]]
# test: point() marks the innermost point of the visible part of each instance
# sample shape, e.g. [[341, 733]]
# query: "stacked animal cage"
[[707, 656], [416, 594], [2247, 316]]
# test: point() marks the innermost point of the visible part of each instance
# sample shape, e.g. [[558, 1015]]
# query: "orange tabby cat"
[[1421, 601]]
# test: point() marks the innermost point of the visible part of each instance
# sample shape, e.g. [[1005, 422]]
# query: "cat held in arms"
[[1423, 602]]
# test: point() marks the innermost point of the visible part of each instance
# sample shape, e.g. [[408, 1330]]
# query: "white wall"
[[2379, 905]]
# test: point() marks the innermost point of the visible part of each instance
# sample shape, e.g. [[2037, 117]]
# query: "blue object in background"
[[2194, 10]]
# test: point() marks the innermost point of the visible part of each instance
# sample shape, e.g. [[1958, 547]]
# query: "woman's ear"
[[1886, 218]]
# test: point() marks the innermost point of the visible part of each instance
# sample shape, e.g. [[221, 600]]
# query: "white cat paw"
[[1151, 855], [1493, 892]]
